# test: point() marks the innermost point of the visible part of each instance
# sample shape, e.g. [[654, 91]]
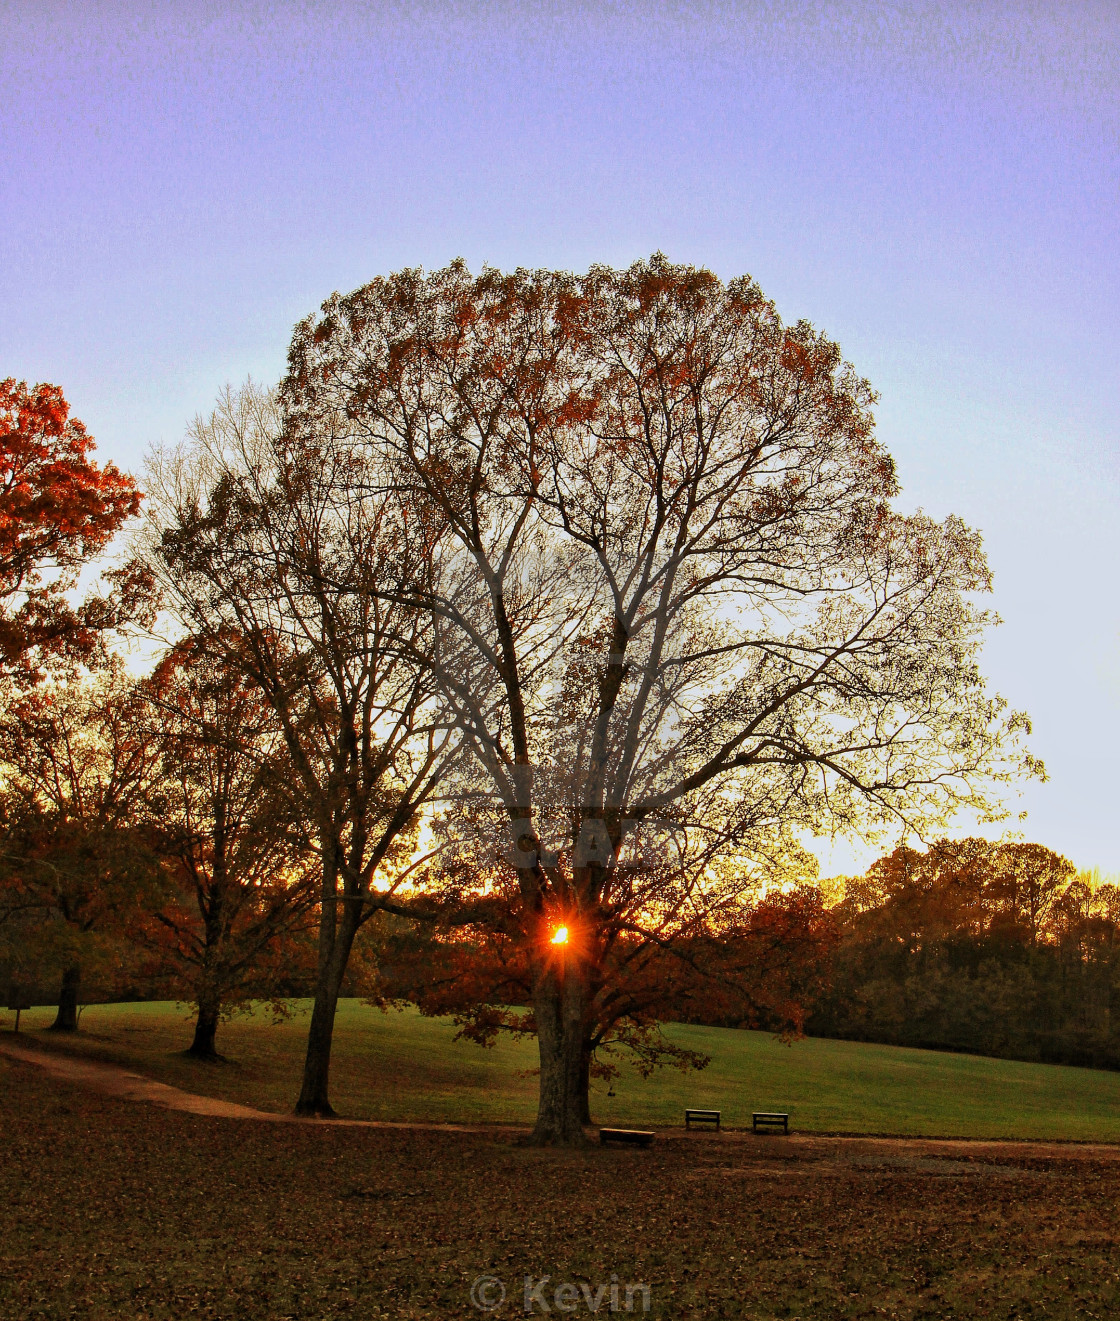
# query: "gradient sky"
[[934, 185]]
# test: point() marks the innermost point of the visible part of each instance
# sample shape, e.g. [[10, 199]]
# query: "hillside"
[[402, 1066]]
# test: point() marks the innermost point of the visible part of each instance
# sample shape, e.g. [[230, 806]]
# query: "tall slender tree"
[[259, 546]]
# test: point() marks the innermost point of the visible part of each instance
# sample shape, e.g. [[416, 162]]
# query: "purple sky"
[[934, 185]]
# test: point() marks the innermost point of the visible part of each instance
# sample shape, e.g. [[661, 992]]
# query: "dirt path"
[[112, 1080]]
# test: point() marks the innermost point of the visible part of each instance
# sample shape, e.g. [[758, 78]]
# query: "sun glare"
[[560, 936]]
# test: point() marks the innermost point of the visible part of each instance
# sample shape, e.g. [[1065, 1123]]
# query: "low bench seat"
[[765, 1120], [702, 1117], [633, 1136]]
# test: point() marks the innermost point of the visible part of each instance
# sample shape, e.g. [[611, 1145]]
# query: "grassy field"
[[402, 1066], [118, 1211]]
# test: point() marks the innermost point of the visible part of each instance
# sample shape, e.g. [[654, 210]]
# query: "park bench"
[[19, 1000], [701, 1117], [634, 1136], [766, 1120]]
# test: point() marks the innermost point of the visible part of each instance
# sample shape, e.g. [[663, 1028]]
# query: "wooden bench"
[[701, 1117], [19, 1000], [633, 1136], [766, 1120]]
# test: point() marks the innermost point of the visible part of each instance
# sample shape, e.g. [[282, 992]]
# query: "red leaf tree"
[[233, 843], [58, 510]]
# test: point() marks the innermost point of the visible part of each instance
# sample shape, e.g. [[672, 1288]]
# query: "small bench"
[[701, 1117], [633, 1136], [766, 1120], [19, 1000]]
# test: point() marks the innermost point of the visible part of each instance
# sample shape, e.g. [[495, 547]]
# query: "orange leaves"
[[57, 510], [47, 481]]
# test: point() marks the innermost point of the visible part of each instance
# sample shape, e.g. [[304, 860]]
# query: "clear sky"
[[935, 185]]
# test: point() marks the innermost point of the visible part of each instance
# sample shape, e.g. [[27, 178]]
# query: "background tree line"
[[998, 949]]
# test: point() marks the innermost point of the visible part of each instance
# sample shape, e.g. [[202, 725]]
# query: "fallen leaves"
[[119, 1209]]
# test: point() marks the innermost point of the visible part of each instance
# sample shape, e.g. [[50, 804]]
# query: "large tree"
[[665, 581], [58, 510], [259, 549]]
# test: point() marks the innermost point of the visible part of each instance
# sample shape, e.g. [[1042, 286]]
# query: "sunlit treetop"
[[58, 510]]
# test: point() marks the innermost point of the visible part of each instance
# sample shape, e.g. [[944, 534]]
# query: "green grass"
[[405, 1067]]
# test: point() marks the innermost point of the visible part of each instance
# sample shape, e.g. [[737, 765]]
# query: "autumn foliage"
[[79, 763], [759, 965], [58, 510], [1001, 949], [233, 848], [527, 601], [662, 590]]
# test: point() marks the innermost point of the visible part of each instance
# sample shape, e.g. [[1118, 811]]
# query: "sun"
[[560, 936]]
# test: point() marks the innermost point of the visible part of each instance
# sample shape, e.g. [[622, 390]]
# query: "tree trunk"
[[205, 1029], [585, 1086], [213, 977], [558, 1005], [66, 1019], [336, 937]]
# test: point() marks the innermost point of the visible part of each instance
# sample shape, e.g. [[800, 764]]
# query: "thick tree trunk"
[[585, 1086], [66, 1020], [336, 937], [205, 1030], [558, 1006]]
